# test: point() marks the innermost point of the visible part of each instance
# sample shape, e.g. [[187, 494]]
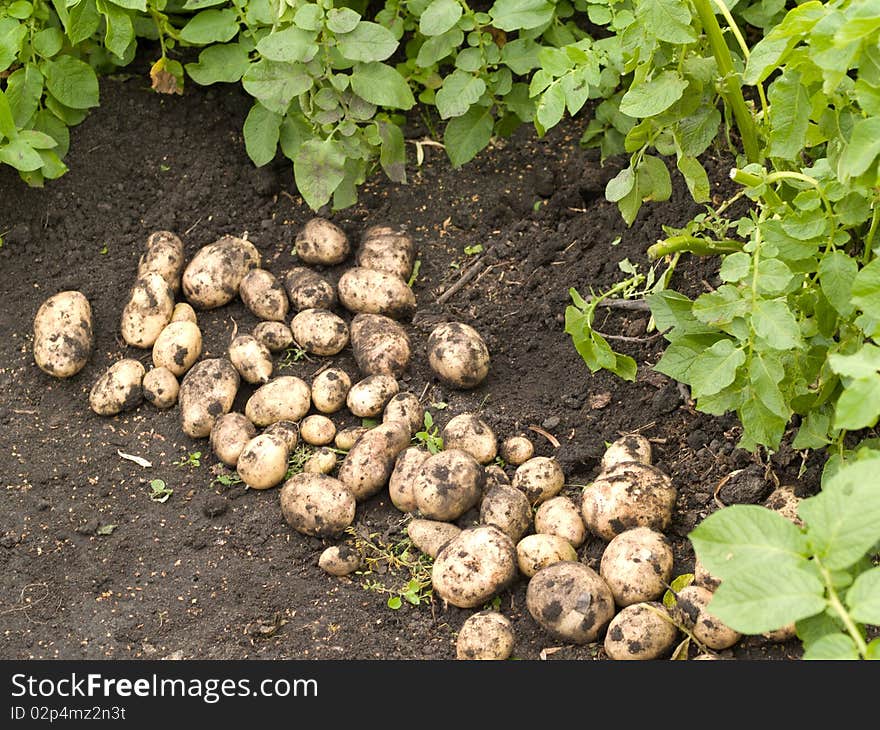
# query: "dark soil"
[[215, 572]]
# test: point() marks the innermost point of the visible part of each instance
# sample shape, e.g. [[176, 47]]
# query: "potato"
[[287, 430], [160, 388], [213, 276], [368, 397], [458, 355], [178, 347], [486, 635], [317, 430], [323, 461], [540, 478], [448, 484], [785, 502], [430, 536], [147, 310], [637, 565], [274, 336], [262, 463], [347, 437], [474, 567], [508, 509], [119, 388], [691, 611], [183, 312], [319, 331], [330, 390], [229, 435], [629, 495], [786, 633], [405, 407], [368, 465], [517, 450], [317, 505], [339, 560], [376, 292], [285, 398], [571, 601], [534, 552], [307, 289], [207, 391], [252, 359], [702, 577], [386, 249], [470, 433], [63, 336], [495, 475], [560, 516], [632, 447], [381, 345], [322, 242], [400, 485], [641, 631], [264, 295], [163, 255]]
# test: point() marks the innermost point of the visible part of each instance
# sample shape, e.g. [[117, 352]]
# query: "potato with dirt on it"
[[284, 398], [178, 347], [184, 312], [147, 310], [517, 450], [229, 435], [262, 463], [348, 437], [430, 536], [322, 242], [487, 635], [540, 478], [458, 355], [160, 388], [317, 505], [640, 631], [376, 292], [207, 391], [537, 551], [400, 485], [323, 461], [339, 560], [691, 610], [368, 397], [63, 336], [287, 430], [495, 475], [560, 516], [319, 332], [330, 390], [702, 576], [252, 359], [470, 433], [264, 295], [508, 509], [387, 249], [785, 502], [405, 407], [163, 254], [274, 336], [637, 565], [448, 484], [307, 289], [380, 344], [632, 447], [213, 276], [119, 388], [366, 468], [317, 430]]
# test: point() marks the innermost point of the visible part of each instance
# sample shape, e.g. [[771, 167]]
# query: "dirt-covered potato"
[[288, 430], [487, 635], [63, 336], [207, 391], [147, 310], [470, 433], [400, 485], [319, 331], [786, 633], [285, 398], [339, 560], [368, 397], [160, 388], [448, 484], [323, 461], [252, 359], [637, 565], [274, 336], [317, 504], [307, 289], [229, 435], [119, 389], [387, 249], [381, 345], [262, 463], [785, 502], [213, 276], [540, 478], [458, 355], [508, 509], [474, 567], [330, 389], [560, 516], [517, 450], [702, 577], [691, 611], [430, 536], [640, 631], [184, 312], [163, 254], [495, 475], [537, 551], [376, 292], [347, 437], [632, 447], [628, 495], [264, 295], [368, 465], [317, 430], [322, 242], [405, 407], [571, 601], [178, 347]]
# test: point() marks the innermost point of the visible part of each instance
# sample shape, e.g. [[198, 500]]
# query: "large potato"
[[448, 484], [400, 484], [264, 295], [119, 388], [430, 536], [560, 516], [641, 631], [508, 509], [387, 249], [178, 347], [206, 393], [163, 255], [458, 355], [287, 430], [330, 390], [317, 504], [275, 336], [376, 292], [307, 289], [262, 463], [540, 478], [285, 398], [213, 276], [148, 309], [470, 433], [161, 388], [637, 565], [368, 397], [368, 465], [405, 407], [537, 551], [691, 610], [486, 635], [319, 331], [251, 358], [381, 345], [348, 437], [322, 242], [229, 435], [632, 447], [63, 336]]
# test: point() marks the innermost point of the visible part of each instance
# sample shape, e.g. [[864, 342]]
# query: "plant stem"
[[869, 238], [841, 611], [750, 180], [694, 245]]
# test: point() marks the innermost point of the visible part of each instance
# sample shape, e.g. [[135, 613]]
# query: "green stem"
[[851, 628], [741, 41], [869, 239], [750, 180], [694, 245]]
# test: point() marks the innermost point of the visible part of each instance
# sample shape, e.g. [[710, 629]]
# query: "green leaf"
[[765, 375], [620, 185], [342, 20], [261, 132], [295, 131], [715, 368], [721, 306], [521, 55], [219, 64], [381, 85], [838, 646], [367, 42], [666, 20], [837, 271], [861, 364], [439, 47], [866, 289], [813, 433], [309, 16], [72, 82], [140, 5], [48, 42], [511, 15], [289, 44], [211, 26], [863, 597], [695, 177], [774, 323], [439, 16], [119, 32], [789, 115], [862, 150], [24, 88], [12, 34], [20, 155], [858, 405], [459, 92], [394, 603], [873, 652], [392, 154], [653, 179], [202, 4], [275, 84], [652, 97], [681, 354], [671, 309], [550, 107], [735, 267], [467, 135], [319, 168], [774, 277], [46, 122], [83, 21]]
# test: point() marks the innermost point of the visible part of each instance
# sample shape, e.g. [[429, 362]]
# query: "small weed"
[[499, 462], [473, 250], [292, 356], [430, 435], [159, 491], [369, 422], [164, 168], [192, 460], [227, 480], [103, 250], [417, 266], [439, 405], [298, 458]]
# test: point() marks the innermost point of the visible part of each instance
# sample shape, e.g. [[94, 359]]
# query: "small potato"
[[178, 347], [540, 478], [339, 560], [285, 398], [288, 430], [163, 255], [251, 358], [560, 516], [262, 463], [274, 336], [119, 388], [213, 276], [702, 577], [785, 502], [534, 552], [330, 389], [347, 437], [160, 388], [486, 635], [323, 461], [322, 242], [641, 631], [632, 447], [508, 509], [571, 601], [368, 397], [183, 312], [517, 450], [405, 407], [458, 355], [637, 565], [376, 292], [368, 465], [264, 295], [319, 331], [474, 567], [307, 289], [470, 433], [381, 345], [317, 505], [448, 484], [786, 633], [207, 391], [430, 536], [148, 309], [400, 485], [691, 611], [386, 249], [317, 430], [229, 435], [63, 336]]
